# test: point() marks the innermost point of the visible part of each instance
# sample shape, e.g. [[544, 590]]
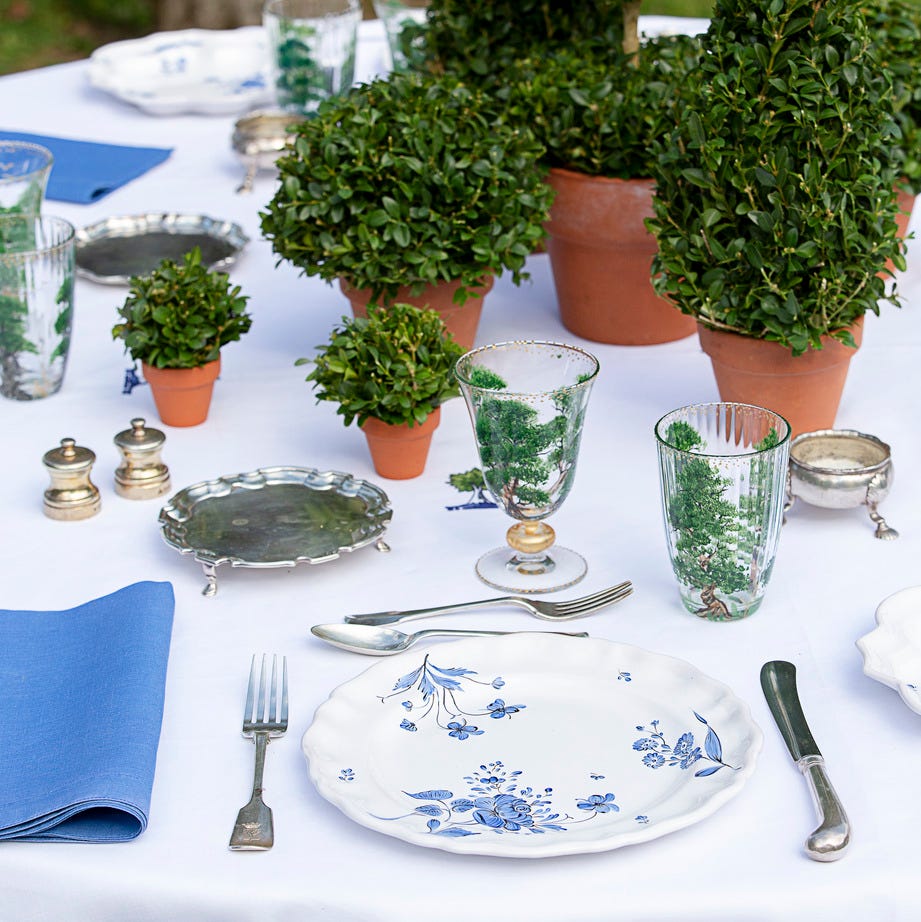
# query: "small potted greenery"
[[175, 321], [390, 371], [599, 112], [775, 201], [411, 189]]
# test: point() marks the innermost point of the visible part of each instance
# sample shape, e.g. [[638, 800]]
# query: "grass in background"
[[36, 33]]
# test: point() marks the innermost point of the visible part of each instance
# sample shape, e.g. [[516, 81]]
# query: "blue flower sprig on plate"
[[434, 692], [684, 753], [496, 804]]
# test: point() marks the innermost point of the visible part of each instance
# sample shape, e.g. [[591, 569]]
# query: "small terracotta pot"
[[461, 320], [601, 255], [400, 452], [182, 395], [805, 389]]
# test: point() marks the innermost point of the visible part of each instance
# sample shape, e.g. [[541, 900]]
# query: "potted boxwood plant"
[[175, 321], [390, 371], [599, 112], [411, 189], [775, 204]]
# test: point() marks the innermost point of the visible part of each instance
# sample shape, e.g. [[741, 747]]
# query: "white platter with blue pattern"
[[204, 71], [531, 745]]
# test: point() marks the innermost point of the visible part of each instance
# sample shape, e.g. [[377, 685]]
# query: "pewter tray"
[[274, 517], [115, 249]]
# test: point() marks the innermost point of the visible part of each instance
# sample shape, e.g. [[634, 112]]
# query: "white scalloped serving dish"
[[210, 72], [892, 652]]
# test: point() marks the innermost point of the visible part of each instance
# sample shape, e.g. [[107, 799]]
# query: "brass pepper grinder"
[[72, 495], [141, 475]]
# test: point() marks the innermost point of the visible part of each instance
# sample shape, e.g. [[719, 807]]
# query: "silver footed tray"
[[274, 517], [113, 250]]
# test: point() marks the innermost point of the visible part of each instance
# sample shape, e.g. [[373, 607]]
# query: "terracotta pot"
[[182, 395], [805, 389], [461, 320], [400, 452], [601, 255]]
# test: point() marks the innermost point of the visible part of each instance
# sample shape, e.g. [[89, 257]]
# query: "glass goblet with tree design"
[[527, 403]]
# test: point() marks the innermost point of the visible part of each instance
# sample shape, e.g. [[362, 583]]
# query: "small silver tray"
[[113, 250], [274, 517]]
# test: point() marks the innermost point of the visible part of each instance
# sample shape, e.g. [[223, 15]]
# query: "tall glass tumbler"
[[405, 22], [312, 45], [36, 304], [722, 471], [24, 171]]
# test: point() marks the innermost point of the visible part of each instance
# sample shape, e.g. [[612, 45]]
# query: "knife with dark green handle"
[[833, 835]]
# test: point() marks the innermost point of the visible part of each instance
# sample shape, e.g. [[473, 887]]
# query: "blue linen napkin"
[[82, 694], [86, 171]]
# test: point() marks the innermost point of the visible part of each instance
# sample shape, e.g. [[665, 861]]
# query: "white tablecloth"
[[743, 863]]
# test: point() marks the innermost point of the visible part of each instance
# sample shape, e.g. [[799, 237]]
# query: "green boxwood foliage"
[[396, 365], [600, 113], [896, 27], [411, 181], [181, 314], [479, 41], [775, 204]]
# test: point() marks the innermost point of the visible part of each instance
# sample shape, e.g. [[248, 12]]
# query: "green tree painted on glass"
[[13, 344], [64, 298], [712, 532], [303, 82], [471, 482], [526, 463], [706, 526]]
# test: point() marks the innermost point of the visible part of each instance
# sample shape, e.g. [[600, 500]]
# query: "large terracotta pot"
[[805, 389], [400, 452], [461, 320], [601, 255], [182, 395]]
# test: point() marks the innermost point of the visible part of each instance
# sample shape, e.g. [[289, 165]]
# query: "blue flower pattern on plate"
[[684, 753], [434, 692], [497, 804]]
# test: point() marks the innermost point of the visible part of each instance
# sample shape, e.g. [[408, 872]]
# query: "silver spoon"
[[383, 641]]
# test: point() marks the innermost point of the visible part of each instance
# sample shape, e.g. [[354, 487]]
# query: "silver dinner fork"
[[549, 611], [263, 718]]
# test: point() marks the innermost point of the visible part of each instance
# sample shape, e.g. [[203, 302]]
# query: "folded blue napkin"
[[86, 171], [82, 696]]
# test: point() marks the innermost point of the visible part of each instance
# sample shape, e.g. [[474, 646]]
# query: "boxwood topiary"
[[411, 181], [395, 365], [181, 314], [601, 113], [775, 207]]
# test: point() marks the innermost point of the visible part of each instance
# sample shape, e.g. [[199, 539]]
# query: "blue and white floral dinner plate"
[[531, 745]]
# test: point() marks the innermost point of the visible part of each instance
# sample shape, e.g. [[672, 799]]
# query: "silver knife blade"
[[833, 835]]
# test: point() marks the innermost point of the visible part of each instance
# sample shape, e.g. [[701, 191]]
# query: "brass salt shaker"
[[141, 475], [72, 495]]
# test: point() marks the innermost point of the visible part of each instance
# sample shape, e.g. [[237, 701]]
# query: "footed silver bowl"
[[259, 138], [841, 469]]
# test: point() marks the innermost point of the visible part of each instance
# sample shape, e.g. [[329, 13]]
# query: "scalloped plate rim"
[[875, 662]]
